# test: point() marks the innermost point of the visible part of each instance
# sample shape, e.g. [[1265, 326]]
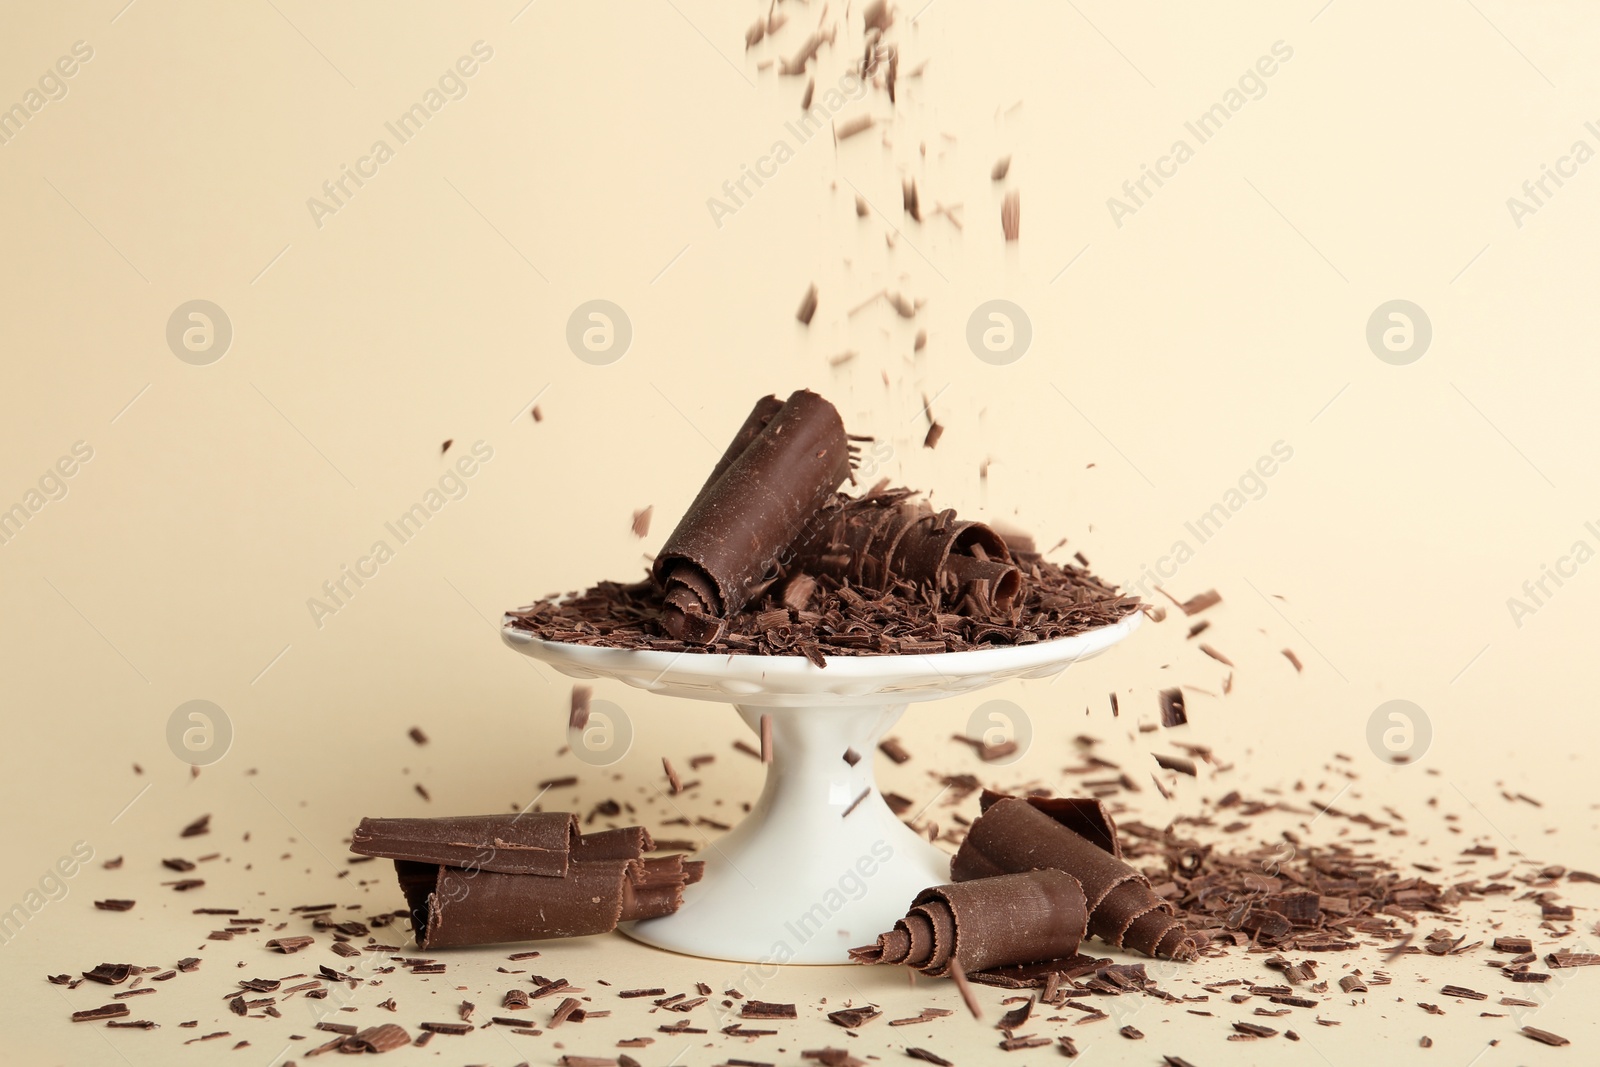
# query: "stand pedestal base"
[[798, 881]]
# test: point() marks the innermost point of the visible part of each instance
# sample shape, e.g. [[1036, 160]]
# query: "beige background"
[[1169, 353]]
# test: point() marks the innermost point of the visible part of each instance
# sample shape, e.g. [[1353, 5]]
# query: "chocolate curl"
[[537, 843], [604, 879], [1014, 834], [729, 542], [874, 540], [992, 922], [754, 423]]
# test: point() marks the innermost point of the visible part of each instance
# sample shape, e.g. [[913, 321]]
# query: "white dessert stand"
[[795, 882]]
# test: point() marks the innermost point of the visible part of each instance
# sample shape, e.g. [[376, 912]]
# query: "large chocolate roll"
[[487, 879], [728, 544], [452, 907], [1029, 917], [1014, 834], [532, 843]]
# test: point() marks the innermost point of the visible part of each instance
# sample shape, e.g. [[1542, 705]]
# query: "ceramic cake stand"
[[798, 881]]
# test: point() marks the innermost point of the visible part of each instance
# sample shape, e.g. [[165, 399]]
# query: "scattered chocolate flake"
[[1544, 1037], [422, 791], [641, 521], [113, 904], [674, 783], [291, 944], [416, 734], [854, 1018], [202, 825], [110, 973], [105, 1011], [1133, 1033], [929, 1057], [1288, 654], [761, 1009], [455, 1029]]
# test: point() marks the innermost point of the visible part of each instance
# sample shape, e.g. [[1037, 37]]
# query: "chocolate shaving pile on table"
[[1076, 836], [478, 880], [771, 559]]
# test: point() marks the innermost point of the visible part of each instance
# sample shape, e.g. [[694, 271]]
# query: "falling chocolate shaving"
[[641, 521], [1172, 709], [1001, 168], [1175, 763], [416, 734], [578, 716], [446, 446], [1011, 215], [908, 198], [808, 306], [1294, 659], [891, 747]]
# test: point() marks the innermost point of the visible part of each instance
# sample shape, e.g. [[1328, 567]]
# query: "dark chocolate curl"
[[754, 423], [993, 922], [881, 537], [534, 843], [729, 543], [470, 880], [1013, 834]]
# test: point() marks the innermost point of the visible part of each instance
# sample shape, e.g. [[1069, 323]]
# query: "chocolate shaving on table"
[[537, 843], [1017, 918], [1014, 834], [605, 880], [726, 548]]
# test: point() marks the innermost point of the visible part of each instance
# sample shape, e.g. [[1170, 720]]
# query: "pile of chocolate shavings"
[[818, 616]]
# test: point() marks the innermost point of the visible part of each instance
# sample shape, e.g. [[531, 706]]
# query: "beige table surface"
[[1175, 341]]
